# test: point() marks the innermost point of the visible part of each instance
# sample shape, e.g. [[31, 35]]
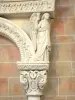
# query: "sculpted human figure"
[[34, 20], [43, 39]]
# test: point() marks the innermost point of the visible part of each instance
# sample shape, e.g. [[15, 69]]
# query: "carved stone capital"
[[33, 77], [33, 81]]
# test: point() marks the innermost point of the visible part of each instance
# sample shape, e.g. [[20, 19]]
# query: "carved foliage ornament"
[[33, 81]]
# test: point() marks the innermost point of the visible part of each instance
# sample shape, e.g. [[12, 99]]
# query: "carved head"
[[46, 16]]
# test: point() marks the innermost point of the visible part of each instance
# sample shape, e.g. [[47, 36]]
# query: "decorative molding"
[[33, 77], [19, 37], [22, 7], [32, 66]]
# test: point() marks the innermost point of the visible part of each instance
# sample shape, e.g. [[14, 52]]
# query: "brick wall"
[[61, 76]]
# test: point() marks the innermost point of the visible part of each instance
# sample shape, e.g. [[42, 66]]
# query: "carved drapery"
[[33, 74]]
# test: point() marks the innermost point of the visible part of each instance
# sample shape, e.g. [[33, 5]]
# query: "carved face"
[[46, 16]]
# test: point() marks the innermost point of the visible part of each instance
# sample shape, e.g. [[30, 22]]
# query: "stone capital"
[[33, 77]]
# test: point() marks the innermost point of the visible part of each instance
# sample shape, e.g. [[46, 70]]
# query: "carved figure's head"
[[46, 16]]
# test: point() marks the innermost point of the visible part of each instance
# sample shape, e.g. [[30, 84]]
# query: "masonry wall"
[[61, 75]]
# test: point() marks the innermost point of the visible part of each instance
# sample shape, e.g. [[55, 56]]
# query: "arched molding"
[[19, 37]]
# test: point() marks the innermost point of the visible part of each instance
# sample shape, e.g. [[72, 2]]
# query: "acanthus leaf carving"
[[33, 81]]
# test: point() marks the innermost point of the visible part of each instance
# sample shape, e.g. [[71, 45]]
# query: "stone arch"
[[19, 37]]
